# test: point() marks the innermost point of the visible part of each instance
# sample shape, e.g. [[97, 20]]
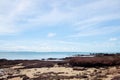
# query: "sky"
[[60, 25]]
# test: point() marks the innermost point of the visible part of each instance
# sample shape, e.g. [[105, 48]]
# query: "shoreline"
[[99, 67]]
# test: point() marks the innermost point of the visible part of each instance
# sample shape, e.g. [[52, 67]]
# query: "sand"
[[69, 72], [103, 73], [16, 78]]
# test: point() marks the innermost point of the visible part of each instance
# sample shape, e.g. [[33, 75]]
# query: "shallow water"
[[37, 55]]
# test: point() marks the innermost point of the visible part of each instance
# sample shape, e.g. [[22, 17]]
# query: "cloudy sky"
[[60, 25]]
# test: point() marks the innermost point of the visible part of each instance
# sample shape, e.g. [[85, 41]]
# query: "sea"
[[38, 55]]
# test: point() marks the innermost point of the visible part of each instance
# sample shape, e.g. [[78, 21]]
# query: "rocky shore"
[[72, 68]]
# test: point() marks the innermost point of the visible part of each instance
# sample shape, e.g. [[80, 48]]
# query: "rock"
[[79, 68], [26, 78]]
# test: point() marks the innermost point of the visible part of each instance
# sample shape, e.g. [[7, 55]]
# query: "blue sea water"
[[37, 55]]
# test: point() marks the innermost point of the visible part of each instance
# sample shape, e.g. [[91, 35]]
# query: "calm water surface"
[[37, 55]]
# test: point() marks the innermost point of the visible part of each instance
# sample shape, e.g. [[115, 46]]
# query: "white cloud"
[[8, 16], [113, 39], [93, 31], [96, 20], [51, 35], [23, 15], [20, 8], [36, 13], [56, 45], [93, 15], [31, 12]]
